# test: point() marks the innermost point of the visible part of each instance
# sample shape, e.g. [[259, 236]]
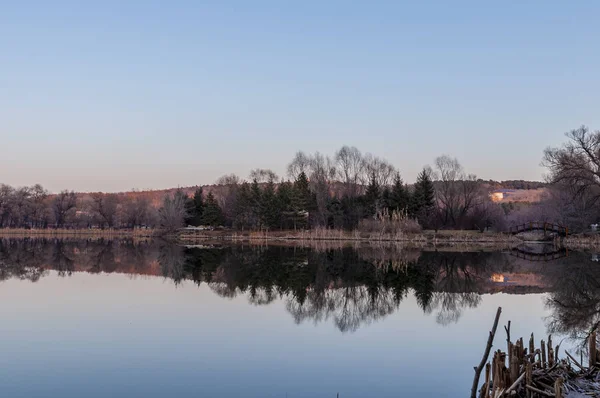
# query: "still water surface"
[[113, 318]]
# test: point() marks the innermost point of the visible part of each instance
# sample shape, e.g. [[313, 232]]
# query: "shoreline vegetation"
[[424, 238], [78, 233], [343, 236], [307, 237], [348, 197]]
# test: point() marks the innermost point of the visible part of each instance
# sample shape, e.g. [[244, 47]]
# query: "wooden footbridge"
[[540, 226]]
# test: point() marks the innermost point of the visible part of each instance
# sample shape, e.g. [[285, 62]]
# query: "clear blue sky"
[[114, 95]]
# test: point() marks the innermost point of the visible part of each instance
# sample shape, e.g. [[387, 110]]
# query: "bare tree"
[[21, 207], [228, 194], [63, 206], [39, 208], [6, 195], [263, 175], [321, 172], [229, 179], [381, 169], [350, 166], [557, 206], [136, 211], [485, 214], [173, 213], [575, 166], [105, 208], [456, 192], [299, 164]]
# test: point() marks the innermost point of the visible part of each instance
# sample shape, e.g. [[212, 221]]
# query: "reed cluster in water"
[[536, 371]]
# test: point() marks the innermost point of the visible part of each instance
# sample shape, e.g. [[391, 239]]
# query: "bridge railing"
[[539, 226]]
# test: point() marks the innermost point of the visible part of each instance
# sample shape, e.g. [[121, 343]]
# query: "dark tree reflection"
[[347, 287], [460, 277], [574, 301]]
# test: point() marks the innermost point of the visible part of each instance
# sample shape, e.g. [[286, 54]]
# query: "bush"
[[384, 223]]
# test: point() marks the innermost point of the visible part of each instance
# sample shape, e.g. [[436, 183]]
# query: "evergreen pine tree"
[[386, 199], [353, 209], [243, 207], [335, 214], [212, 214], [284, 204], [194, 207], [189, 211], [423, 198], [256, 203], [270, 212], [372, 197], [302, 201], [196, 204], [399, 197]]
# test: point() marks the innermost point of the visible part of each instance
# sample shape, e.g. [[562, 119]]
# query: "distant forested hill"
[[516, 184]]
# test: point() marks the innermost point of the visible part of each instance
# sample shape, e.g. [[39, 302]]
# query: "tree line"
[[35, 207], [347, 190], [354, 190], [350, 190]]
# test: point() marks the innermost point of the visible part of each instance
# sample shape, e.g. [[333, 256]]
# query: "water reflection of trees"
[[32, 258], [348, 287], [21, 260], [574, 301], [458, 279]]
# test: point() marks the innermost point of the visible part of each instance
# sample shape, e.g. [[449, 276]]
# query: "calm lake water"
[[118, 319]]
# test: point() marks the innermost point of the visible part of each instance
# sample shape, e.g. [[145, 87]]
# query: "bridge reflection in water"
[[554, 253]]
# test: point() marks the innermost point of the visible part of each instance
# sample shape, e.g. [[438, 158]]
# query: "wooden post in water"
[[550, 352], [529, 376], [514, 365], [509, 345], [592, 353], [479, 368], [543, 354], [486, 387], [558, 388], [531, 349]]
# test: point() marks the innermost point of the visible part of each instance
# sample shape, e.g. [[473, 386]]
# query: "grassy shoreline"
[[305, 237], [426, 238], [325, 235], [77, 233]]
